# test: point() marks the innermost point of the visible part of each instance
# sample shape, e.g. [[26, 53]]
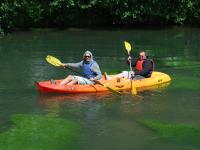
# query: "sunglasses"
[[87, 56], [142, 56]]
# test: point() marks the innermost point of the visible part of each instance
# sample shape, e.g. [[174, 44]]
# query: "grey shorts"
[[82, 80]]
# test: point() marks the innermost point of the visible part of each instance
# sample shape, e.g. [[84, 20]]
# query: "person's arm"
[[95, 68], [147, 68], [74, 65], [133, 61]]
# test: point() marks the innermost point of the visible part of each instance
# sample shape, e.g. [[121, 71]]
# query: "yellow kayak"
[[118, 84], [156, 79]]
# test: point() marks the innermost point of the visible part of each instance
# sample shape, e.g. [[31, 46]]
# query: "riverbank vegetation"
[[91, 13]]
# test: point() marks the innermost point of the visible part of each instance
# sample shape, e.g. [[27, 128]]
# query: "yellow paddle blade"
[[109, 88], [127, 46], [54, 61], [112, 90], [133, 90]]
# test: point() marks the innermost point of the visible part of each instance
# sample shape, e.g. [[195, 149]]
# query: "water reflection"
[[61, 98], [181, 62], [52, 102]]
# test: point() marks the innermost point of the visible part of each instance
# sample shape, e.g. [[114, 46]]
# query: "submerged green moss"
[[34, 132], [177, 132]]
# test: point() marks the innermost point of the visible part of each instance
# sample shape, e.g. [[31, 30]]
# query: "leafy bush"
[[65, 13]]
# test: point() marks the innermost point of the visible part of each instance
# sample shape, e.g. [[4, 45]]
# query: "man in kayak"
[[142, 66], [91, 71]]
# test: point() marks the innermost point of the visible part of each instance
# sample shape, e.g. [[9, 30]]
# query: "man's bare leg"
[[67, 80]]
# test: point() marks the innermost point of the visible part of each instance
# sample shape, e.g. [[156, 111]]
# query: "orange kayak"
[[118, 84]]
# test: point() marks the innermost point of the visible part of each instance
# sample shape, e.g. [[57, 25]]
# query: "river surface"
[[155, 119]]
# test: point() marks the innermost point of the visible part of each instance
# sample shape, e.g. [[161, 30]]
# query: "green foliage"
[[65, 13], [33, 132], [6, 13]]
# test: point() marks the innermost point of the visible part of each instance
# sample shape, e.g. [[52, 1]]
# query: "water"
[[106, 121]]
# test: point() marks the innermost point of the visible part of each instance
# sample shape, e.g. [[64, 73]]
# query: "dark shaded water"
[[106, 121]]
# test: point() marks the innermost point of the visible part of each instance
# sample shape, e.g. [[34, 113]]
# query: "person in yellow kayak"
[[142, 67], [91, 71]]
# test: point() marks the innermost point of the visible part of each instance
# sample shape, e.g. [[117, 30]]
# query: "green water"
[[163, 118]]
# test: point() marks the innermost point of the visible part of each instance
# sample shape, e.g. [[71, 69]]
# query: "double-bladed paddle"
[[56, 62]]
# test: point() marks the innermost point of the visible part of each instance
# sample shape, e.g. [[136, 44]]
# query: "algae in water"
[[34, 132]]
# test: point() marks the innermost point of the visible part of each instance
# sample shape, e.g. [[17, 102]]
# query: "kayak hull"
[[117, 84]]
